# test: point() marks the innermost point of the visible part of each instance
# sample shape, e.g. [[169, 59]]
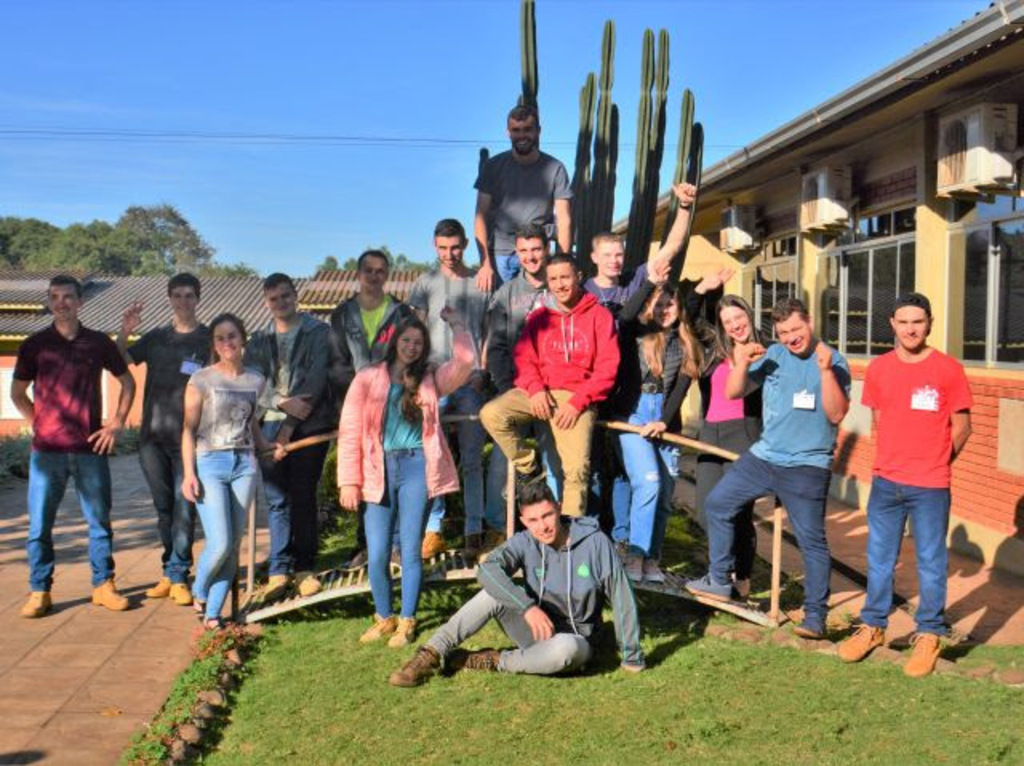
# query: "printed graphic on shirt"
[[232, 412], [567, 343], [583, 570], [925, 399]]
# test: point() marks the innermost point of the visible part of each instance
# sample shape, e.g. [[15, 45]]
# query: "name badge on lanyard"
[[803, 400], [189, 366], [925, 399]]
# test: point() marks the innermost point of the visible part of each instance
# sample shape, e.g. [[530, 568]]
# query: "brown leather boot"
[[37, 605], [425, 663], [484, 659], [860, 644], [107, 595]]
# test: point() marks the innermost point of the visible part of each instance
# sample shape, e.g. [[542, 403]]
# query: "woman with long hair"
[[393, 456], [660, 357], [218, 443], [732, 424]]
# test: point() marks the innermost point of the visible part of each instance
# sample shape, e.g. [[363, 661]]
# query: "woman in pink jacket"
[[392, 455]]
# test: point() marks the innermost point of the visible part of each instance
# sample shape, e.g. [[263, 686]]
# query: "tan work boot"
[[180, 594], [859, 645], [433, 544], [37, 605], [107, 595], [924, 655], [161, 590], [382, 626], [308, 584], [276, 586], [405, 633], [425, 663]]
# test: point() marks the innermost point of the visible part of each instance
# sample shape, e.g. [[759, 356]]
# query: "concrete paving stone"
[[886, 654], [106, 693], [141, 669], [97, 631], [14, 739], [88, 729], [1011, 677], [56, 652], [982, 671], [72, 755]]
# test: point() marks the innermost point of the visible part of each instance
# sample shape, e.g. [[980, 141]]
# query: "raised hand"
[[131, 318], [824, 354], [685, 193], [747, 353]]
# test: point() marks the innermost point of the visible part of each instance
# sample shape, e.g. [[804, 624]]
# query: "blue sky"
[[374, 112]]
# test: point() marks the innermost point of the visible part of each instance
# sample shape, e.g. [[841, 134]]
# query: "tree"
[[228, 270], [24, 239], [163, 240], [330, 263]]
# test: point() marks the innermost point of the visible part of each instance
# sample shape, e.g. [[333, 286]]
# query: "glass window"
[[1010, 322], [830, 303], [976, 294], [773, 284], [858, 270]]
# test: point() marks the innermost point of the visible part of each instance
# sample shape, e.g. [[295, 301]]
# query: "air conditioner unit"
[[977, 148], [825, 199], [739, 229]]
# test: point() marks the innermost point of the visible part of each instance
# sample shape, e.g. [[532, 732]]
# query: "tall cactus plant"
[[528, 52]]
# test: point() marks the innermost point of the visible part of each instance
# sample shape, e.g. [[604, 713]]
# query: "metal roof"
[[23, 298], [327, 288]]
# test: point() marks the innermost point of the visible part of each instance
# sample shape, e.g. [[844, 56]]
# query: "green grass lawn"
[[317, 696]]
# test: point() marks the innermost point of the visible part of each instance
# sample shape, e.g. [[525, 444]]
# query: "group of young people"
[[531, 355]]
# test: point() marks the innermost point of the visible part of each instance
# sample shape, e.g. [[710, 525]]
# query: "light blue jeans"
[[404, 504], [48, 474], [507, 267], [465, 400], [652, 467], [228, 479]]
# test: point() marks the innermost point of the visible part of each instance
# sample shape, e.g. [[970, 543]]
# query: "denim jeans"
[[652, 468], [803, 491], [175, 516], [290, 486], [507, 268], [889, 506], [471, 436], [497, 474], [737, 436], [48, 474], [228, 480], [563, 652], [405, 504]]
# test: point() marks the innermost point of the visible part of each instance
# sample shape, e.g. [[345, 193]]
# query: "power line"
[[133, 135]]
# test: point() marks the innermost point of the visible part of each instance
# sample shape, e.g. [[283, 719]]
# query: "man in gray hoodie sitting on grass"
[[553, 614]]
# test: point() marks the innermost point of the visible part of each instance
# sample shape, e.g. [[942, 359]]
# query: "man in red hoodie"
[[566, 361]]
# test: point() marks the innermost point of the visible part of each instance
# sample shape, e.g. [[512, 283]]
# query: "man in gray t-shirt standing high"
[[454, 285], [514, 189]]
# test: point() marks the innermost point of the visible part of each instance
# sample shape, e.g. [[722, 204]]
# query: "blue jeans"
[[292, 513], [889, 506], [228, 480], [497, 474], [803, 491], [652, 468], [471, 436], [405, 504], [507, 268], [48, 474], [175, 516], [609, 494]]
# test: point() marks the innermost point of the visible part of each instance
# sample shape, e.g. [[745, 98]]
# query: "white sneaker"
[[652, 571]]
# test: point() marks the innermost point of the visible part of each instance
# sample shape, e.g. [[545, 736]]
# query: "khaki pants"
[[502, 418]]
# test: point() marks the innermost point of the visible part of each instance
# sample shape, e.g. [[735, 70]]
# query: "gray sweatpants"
[[561, 652]]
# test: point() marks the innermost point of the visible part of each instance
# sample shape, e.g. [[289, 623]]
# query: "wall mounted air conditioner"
[[739, 229], [977, 148], [825, 199]]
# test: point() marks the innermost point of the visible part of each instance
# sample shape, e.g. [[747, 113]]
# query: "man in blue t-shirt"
[[805, 388]]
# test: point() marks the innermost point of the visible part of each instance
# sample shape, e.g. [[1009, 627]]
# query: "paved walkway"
[[77, 684]]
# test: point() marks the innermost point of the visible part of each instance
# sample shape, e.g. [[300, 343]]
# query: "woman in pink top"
[[393, 456], [732, 424]]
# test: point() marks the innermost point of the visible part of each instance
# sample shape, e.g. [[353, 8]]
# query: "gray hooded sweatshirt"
[[506, 318], [570, 584]]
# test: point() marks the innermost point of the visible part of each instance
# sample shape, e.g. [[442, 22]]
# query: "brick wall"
[[895, 186], [982, 493]]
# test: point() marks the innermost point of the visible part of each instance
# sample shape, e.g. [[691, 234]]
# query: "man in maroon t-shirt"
[[921, 403], [65, 362]]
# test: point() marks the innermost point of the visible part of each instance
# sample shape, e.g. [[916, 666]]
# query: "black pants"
[[293, 514]]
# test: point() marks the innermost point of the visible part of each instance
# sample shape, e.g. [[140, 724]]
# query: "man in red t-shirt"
[[921, 403], [65, 362]]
